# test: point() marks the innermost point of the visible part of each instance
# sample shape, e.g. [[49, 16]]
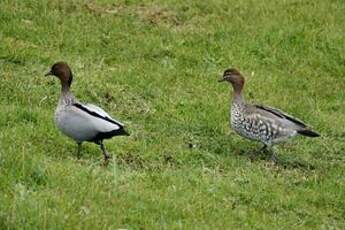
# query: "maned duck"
[[261, 123], [82, 122]]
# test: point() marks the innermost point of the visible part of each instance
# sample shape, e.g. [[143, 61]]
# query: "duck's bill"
[[221, 80], [48, 74]]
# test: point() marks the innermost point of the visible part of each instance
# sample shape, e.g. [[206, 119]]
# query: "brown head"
[[235, 78], [63, 72]]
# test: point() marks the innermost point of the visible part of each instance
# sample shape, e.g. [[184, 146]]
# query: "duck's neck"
[[65, 88], [237, 97], [66, 97]]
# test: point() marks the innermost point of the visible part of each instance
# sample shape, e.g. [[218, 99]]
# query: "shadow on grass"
[[256, 156]]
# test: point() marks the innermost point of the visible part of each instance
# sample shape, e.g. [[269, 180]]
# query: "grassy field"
[[154, 65]]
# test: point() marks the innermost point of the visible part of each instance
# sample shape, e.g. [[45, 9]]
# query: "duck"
[[82, 122], [261, 123]]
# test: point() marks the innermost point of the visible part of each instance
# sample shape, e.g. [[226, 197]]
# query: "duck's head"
[[62, 71], [233, 76]]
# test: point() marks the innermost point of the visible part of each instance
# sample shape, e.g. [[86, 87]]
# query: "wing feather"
[[281, 114], [96, 111]]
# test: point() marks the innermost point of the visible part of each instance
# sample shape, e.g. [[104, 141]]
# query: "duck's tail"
[[308, 133]]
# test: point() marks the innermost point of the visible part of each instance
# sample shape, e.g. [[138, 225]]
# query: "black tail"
[[308, 133], [107, 135], [121, 132]]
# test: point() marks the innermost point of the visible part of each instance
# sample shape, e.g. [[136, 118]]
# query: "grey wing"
[[279, 114]]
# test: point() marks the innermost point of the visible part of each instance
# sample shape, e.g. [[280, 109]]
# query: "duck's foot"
[[274, 158], [107, 157], [263, 149], [106, 161], [105, 154], [257, 153], [265, 153], [78, 150]]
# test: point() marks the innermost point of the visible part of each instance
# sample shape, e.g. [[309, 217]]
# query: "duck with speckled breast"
[[258, 122]]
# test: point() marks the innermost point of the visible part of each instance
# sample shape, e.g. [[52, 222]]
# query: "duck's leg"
[[257, 153], [78, 150], [261, 150], [104, 151], [273, 157], [269, 148]]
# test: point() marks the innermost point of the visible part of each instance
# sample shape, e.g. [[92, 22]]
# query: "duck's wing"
[[278, 114], [99, 113], [102, 112]]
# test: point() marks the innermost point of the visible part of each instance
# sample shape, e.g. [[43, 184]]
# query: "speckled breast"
[[249, 126]]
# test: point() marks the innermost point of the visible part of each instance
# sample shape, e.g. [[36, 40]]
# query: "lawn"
[[154, 65]]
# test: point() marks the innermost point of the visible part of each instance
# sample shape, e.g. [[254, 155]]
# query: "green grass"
[[154, 65]]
